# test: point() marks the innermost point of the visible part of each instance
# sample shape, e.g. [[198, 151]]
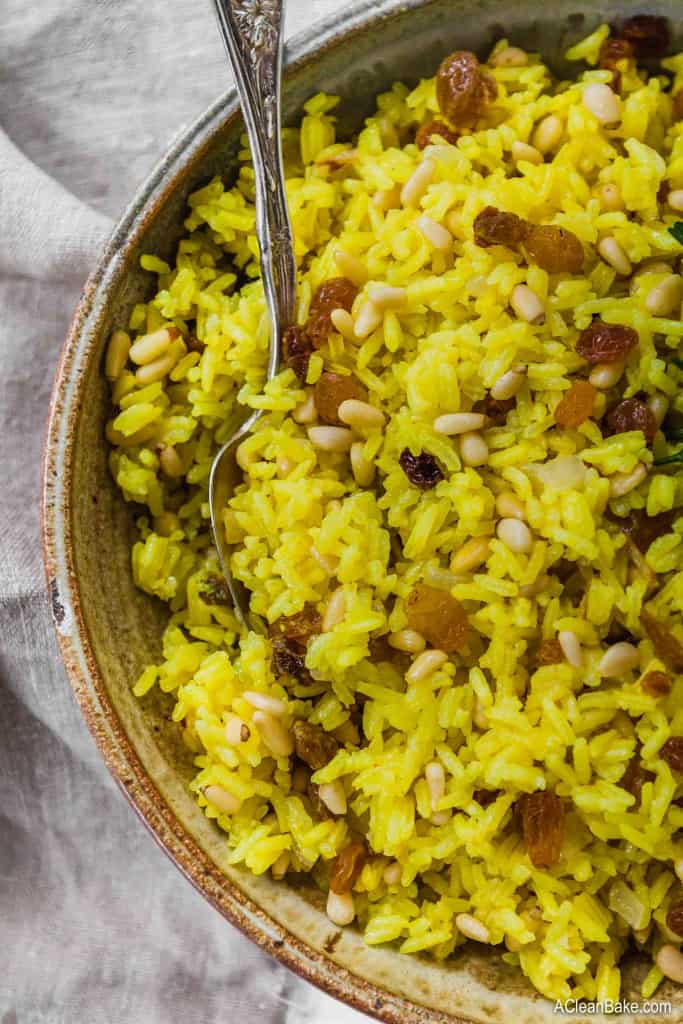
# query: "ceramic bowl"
[[108, 630]]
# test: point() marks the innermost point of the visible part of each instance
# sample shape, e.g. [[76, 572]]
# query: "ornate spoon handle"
[[252, 32]]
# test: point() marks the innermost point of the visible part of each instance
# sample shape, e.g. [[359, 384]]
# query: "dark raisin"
[[422, 470], [463, 89], [495, 409], [543, 828], [439, 617], [424, 134], [331, 390], [644, 529], [313, 745], [347, 866], [632, 414], [214, 590], [288, 660], [657, 684], [498, 227], [550, 652], [664, 642], [300, 626], [672, 753], [614, 51], [554, 249], [606, 343], [678, 105], [577, 405], [485, 796], [297, 348], [674, 917], [635, 777], [336, 293], [193, 343], [647, 34]]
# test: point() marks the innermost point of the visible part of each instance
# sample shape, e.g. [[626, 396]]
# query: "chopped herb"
[[677, 231], [668, 460]]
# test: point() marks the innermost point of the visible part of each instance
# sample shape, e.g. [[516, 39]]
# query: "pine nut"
[[610, 198], [333, 796], [604, 376], [649, 267], [279, 868], [170, 462], [335, 610], [618, 659], [343, 322], [670, 962], [236, 731], [471, 927], [340, 908], [368, 320], [515, 534], [331, 439], [306, 412], [363, 470], [417, 183], [351, 267], [659, 406], [527, 305], [603, 103], [264, 702], [224, 801], [408, 640], [360, 415], [118, 350], [547, 133], [426, 664], [392, 873], [436, 782], [452, 423], [385, 296], [614, 255], [273, 733], [471, 555], [154, 371], [508, 385], [436, 234], [150, 346], [621, 483], [571, 647], [665, 298], [509, 57], [474, 450], [522, 151], [508, 506], [675, 199]]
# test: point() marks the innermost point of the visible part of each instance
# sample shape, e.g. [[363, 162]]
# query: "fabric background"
[[96, 925]]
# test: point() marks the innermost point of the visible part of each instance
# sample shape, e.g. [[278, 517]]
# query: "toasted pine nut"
[[571, 647], [385, 296], [335, 610], [392, 873], [522, 151], [368, 320], [351, 267], [452, 423], [547, 133], [603, 103], [527, 305], [604, 376], [264, 702], [515, 534], [618, 659], [675, 199], [343, 322], [612, 253], [436, 782], [471, 555], [658, 405], [117, 355], [224, 801], [670, 962], [474, 450], [508, 385], [306, 412], [274, 734], [156, 370], [279, 868], [508, 506], [340, 908], [509, 57], [418, 182], [331, 439], [426, 664], [610, 198], [665, 298], [648, 267], [150, 346], [170, 462], [333, 796], [408, 640], [436, 234], [236, 731], [621, 483], [360, 415], [363, 469], [471, 927]]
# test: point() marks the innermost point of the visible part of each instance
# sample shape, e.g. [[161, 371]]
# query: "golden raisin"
[[666, 646], [313, 745], [299, 626], [554, 249], [577, 405], [550, 652], [297, 348], [331, 390], [632, 414], [672, 753], [439, 617], [656, 684], [336, 293], [463, 89], [647, 34], [674, 917], [543, 828], [424, 134], [347, 866], [498, 227], [606, 343]]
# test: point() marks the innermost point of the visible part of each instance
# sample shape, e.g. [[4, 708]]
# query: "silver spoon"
[[252, 32]]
